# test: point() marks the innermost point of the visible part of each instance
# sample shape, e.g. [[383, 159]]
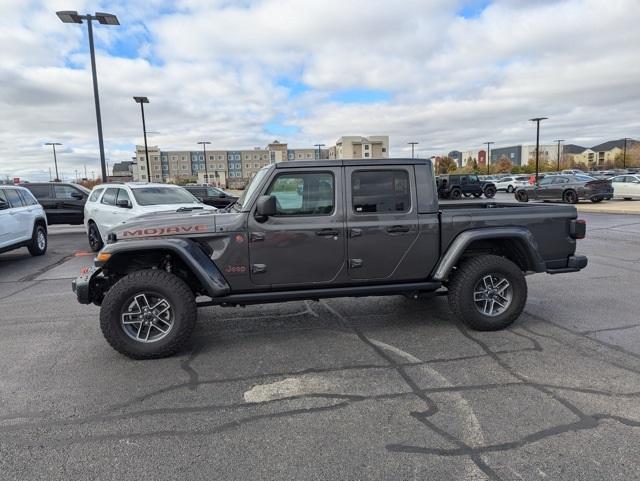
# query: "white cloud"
[[212, 68]]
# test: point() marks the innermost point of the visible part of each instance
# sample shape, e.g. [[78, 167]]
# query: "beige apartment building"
[[234, 168], [356, 147]]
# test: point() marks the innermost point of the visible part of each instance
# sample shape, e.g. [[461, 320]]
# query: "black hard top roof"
[[349, 162]]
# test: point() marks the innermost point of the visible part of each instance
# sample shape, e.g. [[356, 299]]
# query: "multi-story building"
[[356, 147], [234, 168]]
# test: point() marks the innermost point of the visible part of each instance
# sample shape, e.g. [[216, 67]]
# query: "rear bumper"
[[574, 264]]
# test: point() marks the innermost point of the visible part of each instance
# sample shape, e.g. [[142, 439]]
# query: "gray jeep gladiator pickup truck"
[[320, 229]]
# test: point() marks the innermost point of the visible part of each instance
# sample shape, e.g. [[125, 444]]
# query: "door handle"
[[355, 233], [355, 263], [256, 236], [328, 232], [394, 229]]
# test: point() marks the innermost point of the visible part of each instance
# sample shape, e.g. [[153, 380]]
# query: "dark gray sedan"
[[566, 188]]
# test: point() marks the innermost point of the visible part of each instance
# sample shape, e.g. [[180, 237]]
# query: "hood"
[[167, 224]]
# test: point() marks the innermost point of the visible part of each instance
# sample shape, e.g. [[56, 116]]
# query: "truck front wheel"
[[148, 314], [487, 292]]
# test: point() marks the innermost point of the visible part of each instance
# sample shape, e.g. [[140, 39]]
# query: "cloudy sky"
[[445, 73]]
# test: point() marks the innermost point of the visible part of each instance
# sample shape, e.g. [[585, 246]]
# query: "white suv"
[[112, 204], [23, 222], [510, 184]]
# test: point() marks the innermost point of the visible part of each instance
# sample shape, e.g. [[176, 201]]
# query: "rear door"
[[303, 244], [382, 220]]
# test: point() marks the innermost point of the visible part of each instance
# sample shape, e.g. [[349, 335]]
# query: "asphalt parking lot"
[[346, 389]]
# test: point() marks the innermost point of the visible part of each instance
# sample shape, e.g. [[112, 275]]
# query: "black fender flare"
[[188, 251], [464, 239]]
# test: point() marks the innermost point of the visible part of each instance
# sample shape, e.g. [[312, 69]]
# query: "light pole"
[[488, 155], [537, 120], [55, 159], [559, 140], [319, 151], [624, 155], [70, 16], [412, 144], [204, 144], [142, 101]]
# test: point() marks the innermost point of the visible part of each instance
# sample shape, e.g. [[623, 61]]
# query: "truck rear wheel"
[[455, 194], [490, 192], [148, 314], [487, 292]]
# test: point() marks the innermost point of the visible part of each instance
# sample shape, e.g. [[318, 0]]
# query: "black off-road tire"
[[38, 244], [93, 235], [170, 287], [570, 197], [522, 196], [490, 192], [599, 199], [463, 283], [455, 194]]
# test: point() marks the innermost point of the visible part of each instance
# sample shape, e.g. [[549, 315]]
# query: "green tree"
[[504, 164], [446, 165]]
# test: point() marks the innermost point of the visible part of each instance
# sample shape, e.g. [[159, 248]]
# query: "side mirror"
[[124, 203], [77, 195], [265, 207]]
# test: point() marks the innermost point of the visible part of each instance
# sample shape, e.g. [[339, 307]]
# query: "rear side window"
[[40, 191], [27, 198], [304, 193], [380, 191], [14, 198], [4, 204], [109, 197], [95, 195]]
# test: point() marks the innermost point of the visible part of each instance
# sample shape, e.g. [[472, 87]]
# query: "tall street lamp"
[[624, 155], [142, 101], [559, 140], [319, 151], [412, 144], [55, 159], [69, 16], [537, 120], [488, 155], [204, 144]]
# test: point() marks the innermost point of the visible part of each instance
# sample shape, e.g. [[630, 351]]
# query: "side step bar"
[[315, 294]]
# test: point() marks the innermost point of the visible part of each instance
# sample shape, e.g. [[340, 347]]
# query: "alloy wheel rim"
[[492, 295], [41, 240], [147, 317]]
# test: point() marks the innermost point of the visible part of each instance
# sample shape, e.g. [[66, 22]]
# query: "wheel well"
[[510, 248], [40, 222], [123, 263]]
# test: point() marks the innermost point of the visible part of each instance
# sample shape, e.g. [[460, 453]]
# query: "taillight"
[[578, 229]]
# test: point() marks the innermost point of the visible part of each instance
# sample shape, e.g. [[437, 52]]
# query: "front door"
[[9, 224], [542, 190], [382, 221], [304, 243], [70, 203]]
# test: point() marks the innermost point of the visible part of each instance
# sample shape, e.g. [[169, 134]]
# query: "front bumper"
[[83, 285], [574, 264]]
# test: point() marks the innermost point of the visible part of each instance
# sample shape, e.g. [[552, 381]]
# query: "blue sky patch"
[[360, 96], [473, 8], [280, 129]]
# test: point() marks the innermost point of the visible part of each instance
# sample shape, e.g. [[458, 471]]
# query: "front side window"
[[4, 203], [304, 193], [109, 197], [64, 191], [123, 195], [95, 195], [380, 191]]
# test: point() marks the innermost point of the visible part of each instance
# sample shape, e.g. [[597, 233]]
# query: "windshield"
[[585, 177], [163, 195], [253, 185]]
